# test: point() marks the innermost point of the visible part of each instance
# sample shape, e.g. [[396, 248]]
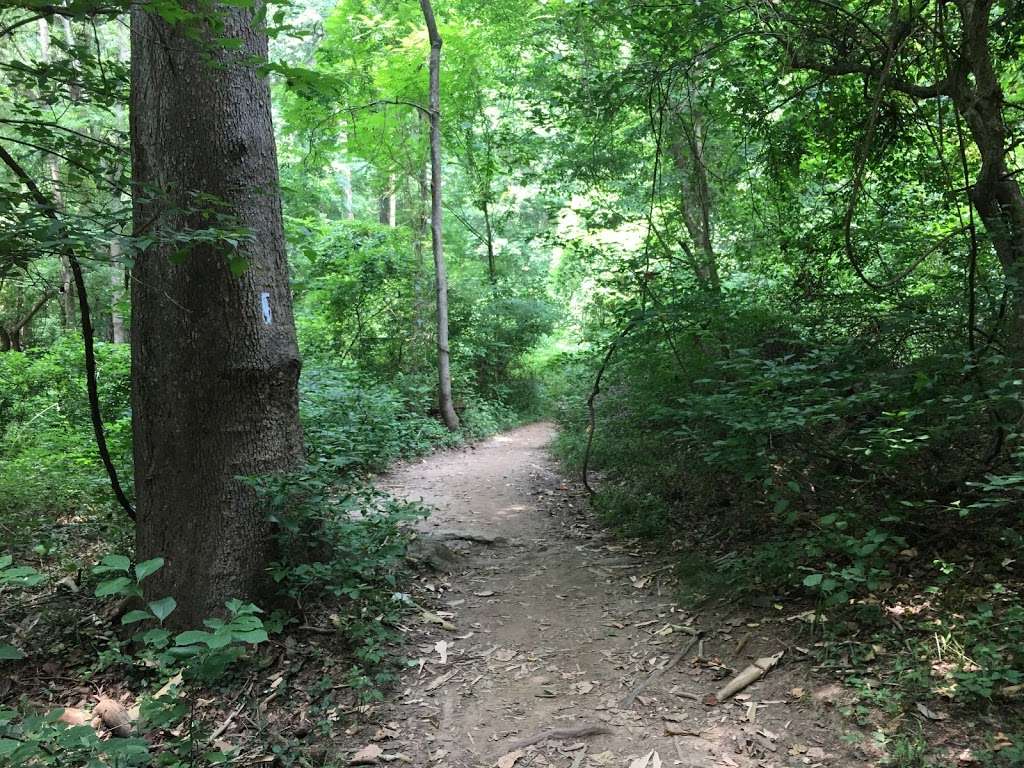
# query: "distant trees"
[[214, 354]]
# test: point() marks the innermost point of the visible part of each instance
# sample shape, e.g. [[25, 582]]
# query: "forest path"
[[549, 622]]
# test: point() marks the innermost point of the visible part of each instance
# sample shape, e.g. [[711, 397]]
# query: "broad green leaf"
[[157, 636], [192, 637], [117, 586], [813, 579], [163, 607], [10, 653], [142, 570], [135, 616], [8, 746], [238, 265], [253, 636], [113, 563]]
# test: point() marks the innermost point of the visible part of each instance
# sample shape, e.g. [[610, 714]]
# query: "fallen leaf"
[[433, 618], [929, 713], [507, 761], [505, 654], [440, 680], [174, 682], [639, 582], [650, 760], [442, 650], [678, 729], [368, 755], [485, 593], [582, 687], [602, 758], [74, 716], [384, 733]]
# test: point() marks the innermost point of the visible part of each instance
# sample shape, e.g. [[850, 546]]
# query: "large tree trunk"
[[214, 358], [444, 398]]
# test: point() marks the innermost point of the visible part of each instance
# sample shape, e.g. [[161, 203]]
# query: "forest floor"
[[545, 623]]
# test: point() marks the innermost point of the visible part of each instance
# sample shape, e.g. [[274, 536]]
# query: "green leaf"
[[813, 580], [5, 561], [238, 265], [219, 639], [133, 616], [10, 653], [163, 608], [253, 636], [156, 636], [8, 746], [142, 570], [192, 637], [22, 575], [113, 563], [116, 586]]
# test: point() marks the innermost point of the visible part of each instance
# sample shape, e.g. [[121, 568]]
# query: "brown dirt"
[[552, 625]]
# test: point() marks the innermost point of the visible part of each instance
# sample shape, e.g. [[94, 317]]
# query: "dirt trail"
[[552, 623]]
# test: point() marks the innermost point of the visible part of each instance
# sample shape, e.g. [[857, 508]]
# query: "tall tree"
[[445, 403], [214, 355]]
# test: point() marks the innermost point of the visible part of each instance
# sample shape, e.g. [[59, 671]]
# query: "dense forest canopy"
[[761, 261]]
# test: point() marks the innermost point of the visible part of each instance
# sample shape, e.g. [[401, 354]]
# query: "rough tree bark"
[[444, 397], [214, 358]]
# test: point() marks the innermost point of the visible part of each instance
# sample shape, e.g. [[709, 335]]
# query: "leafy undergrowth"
[[930, 652], [251, 686], [877, 494]]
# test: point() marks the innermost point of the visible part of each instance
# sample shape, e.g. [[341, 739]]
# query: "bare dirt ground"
[[545, 624]]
